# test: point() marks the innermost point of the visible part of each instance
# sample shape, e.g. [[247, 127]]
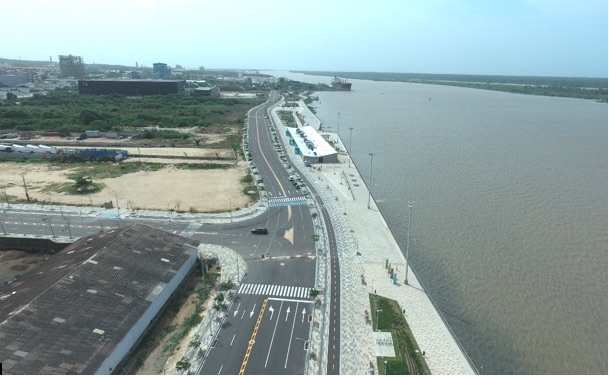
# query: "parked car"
[[260, 231]]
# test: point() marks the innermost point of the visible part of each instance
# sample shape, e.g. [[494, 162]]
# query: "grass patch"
[[287, 118], [408, 360], [195, 318], [111, 169]]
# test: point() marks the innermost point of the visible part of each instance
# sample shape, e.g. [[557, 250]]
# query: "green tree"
[[183, 364], [88, 116]]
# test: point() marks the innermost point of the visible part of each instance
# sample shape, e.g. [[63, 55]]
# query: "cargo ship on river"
[[341, 84]]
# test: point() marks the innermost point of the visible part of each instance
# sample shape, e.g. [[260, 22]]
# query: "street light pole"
[[48, 220], [350, 150], [338, 128], [370, 189], [8, 204], [69, 229], [410, 205]]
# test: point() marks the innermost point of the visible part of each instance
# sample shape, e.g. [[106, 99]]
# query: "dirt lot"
[[169, 188]]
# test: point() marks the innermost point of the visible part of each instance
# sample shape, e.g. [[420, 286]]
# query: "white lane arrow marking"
[[272, 311], [287, 313], [303, 314], [237, 310], [252, 312]]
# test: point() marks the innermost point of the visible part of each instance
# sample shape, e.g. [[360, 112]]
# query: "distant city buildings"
[[161, 70], [27, 78]]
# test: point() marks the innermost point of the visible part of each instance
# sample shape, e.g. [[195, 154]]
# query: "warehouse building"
[[82, 310], [207, 91], [13, 80], [131, 87]]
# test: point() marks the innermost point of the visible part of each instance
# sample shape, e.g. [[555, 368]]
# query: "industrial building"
[[209, 91], [161, 70], [131, 87], [72, 66], [14, 80], [82, 310], [311, 145]]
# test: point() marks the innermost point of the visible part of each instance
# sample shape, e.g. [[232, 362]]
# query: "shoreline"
[[365, 230]]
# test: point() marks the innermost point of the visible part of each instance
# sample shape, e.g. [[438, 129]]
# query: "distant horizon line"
[[306, 71]]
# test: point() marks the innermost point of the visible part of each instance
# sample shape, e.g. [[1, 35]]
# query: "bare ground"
[[168, 188]]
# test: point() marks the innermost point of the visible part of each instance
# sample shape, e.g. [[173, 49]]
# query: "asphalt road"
[[267, 326]]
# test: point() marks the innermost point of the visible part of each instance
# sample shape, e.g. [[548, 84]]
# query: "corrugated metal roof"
[[67, 315]]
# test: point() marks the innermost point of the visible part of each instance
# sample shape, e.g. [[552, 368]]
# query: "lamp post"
[[118, 209], [8, 204], [338, 127], [410, 205], [48, 220], [307, 349], [69, 229], [370, 189], [350, 150], [237, 261]]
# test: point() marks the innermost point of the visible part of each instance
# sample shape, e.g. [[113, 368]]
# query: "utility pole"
[[27, 196], [118, 213], [370, 189], [48, 220], [69, 229], [410, 205], [6, 198], [350, 150], [338, 128]]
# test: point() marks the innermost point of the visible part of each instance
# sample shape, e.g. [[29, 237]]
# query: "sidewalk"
[[364, 242]]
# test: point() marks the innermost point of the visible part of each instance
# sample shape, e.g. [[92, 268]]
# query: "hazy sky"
[[502, 37]]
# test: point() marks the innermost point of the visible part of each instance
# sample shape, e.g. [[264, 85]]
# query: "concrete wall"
[[32, 244]]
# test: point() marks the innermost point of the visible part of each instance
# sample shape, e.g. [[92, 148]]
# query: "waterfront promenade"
[[364, 242]]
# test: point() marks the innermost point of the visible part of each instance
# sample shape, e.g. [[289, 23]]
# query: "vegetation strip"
[[386, 316]]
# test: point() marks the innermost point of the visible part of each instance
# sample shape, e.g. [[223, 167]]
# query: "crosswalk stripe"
[[274, 290]]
